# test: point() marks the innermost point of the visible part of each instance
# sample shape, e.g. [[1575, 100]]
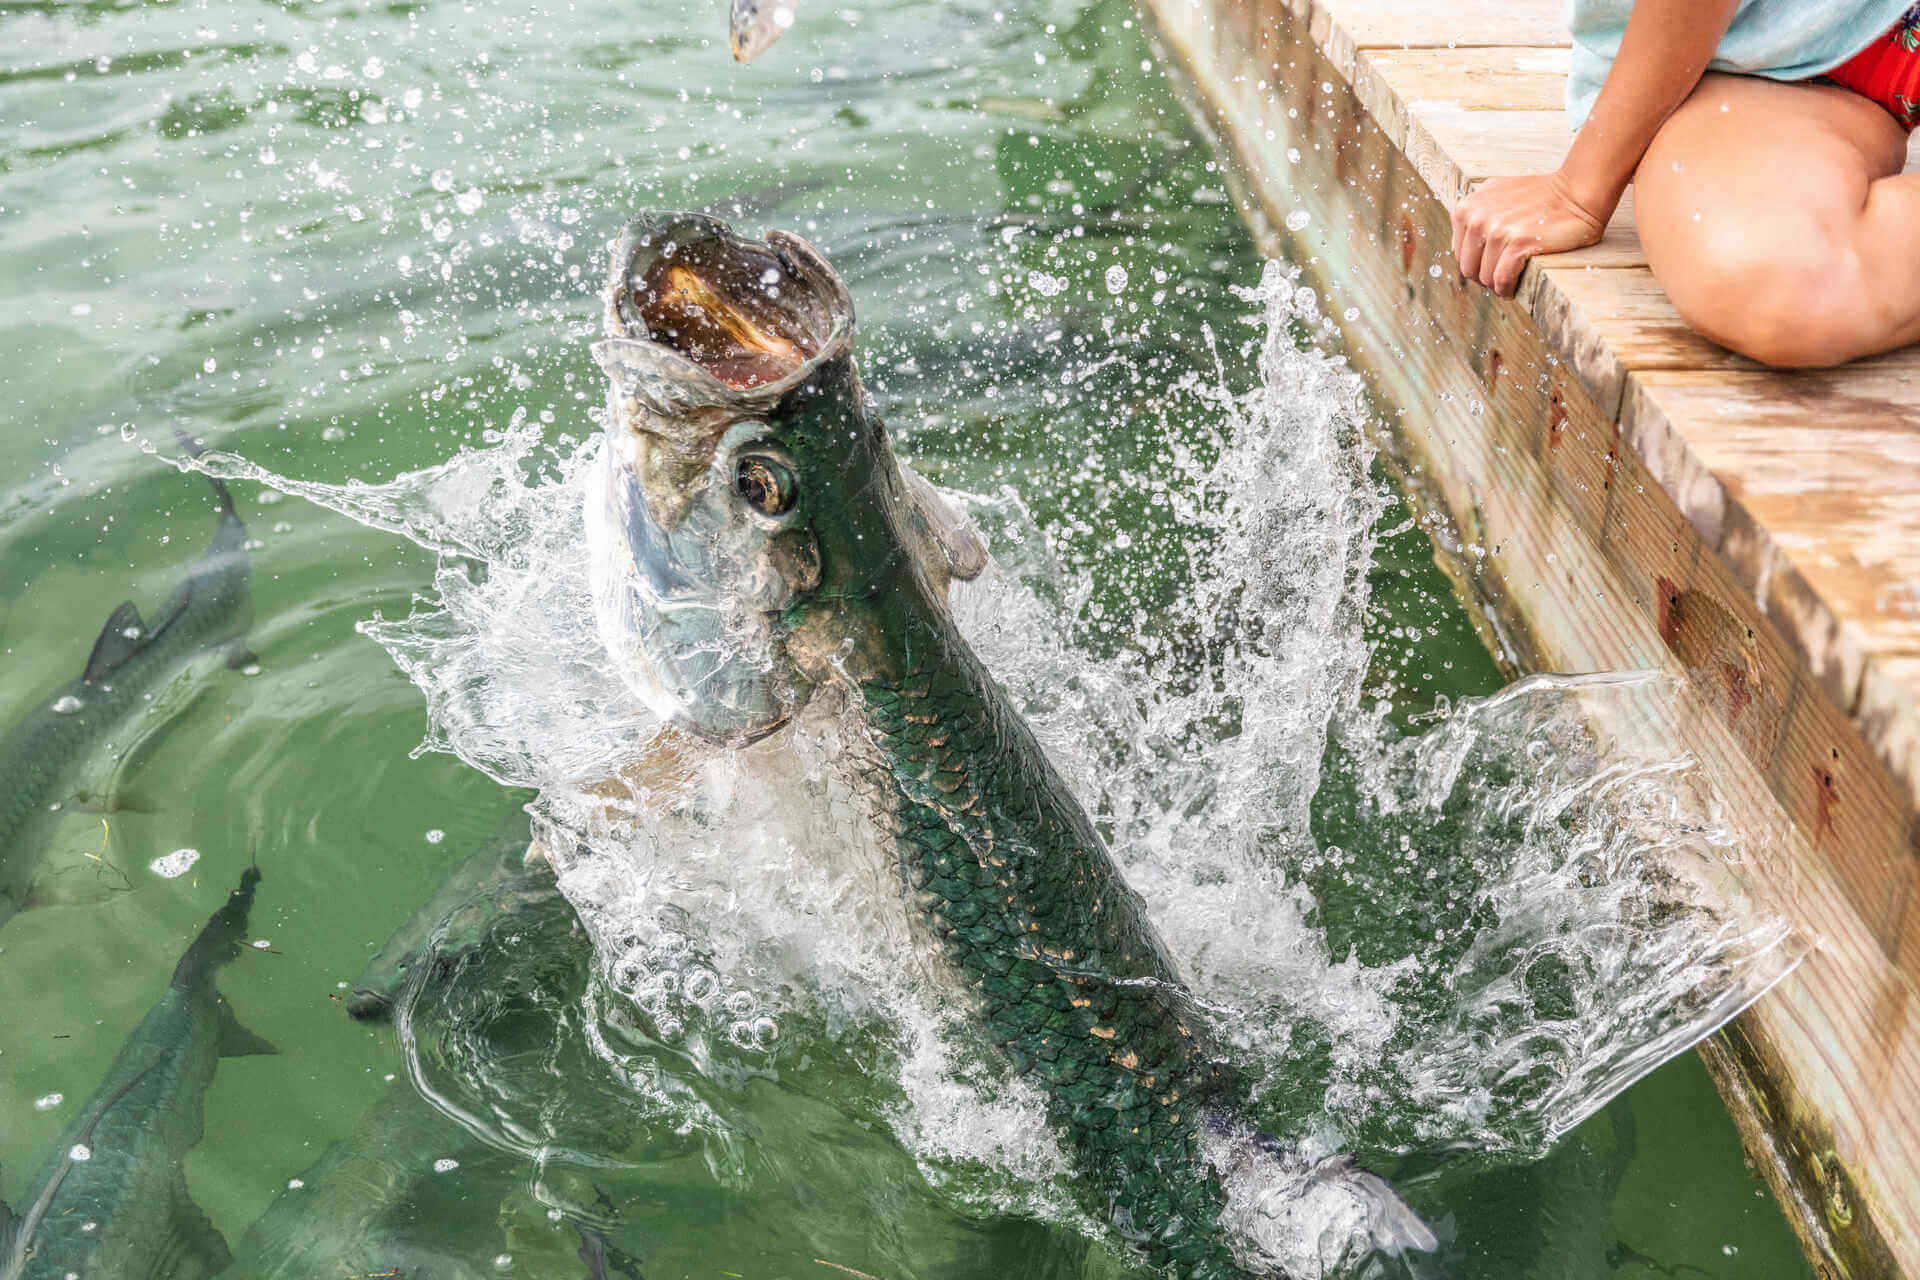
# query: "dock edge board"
[[1576, 557]]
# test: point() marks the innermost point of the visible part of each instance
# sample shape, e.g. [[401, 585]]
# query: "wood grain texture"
[[1609, 322], [1822, 469], [1509, 78], [1397, 24], [1889, 715]]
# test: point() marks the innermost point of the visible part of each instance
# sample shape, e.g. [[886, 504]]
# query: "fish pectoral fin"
[[119, 640], [238, 1042], [947, 525]]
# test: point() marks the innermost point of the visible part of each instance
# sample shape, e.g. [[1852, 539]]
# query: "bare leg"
[[1777, 219]]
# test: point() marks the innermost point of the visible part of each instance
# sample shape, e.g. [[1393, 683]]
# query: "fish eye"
[[767, 483]]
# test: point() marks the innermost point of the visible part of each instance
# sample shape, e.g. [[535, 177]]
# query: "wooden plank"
[[1344, 27], [1510, 78], [1820, 469], [1609, 322], [1889, 714]]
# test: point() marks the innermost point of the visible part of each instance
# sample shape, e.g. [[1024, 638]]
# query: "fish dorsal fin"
[[238, 1042], [119, 640]]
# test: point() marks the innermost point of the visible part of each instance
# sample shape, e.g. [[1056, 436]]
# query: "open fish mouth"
[[708, 334], [698, 317]]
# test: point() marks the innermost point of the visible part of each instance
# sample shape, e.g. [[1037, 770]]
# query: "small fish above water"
[[756, 24], [112, 1199], [131, 659], [753, 541]]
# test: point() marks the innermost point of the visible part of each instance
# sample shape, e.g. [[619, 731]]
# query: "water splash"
[[1502, 925]]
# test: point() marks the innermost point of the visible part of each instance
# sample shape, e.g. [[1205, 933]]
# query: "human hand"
[[1508, 220]]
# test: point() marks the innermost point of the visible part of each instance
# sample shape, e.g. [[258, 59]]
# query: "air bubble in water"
[[702, 986], [48, 1101], [1298, 220], [1116, 279], [66, 704]]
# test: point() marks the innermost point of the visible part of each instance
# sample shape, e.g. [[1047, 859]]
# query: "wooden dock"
[[1612, 491]]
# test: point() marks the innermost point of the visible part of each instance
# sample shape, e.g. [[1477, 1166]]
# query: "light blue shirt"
[[1779, 39]]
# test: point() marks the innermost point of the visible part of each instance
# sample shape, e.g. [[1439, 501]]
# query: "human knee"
[[1789, 302]]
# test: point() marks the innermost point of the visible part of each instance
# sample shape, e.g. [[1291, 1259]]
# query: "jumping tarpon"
[[112, 1199], [131, 659], [753, 541]]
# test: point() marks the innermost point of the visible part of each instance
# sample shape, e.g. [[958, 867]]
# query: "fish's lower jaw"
[[1306, 1219]]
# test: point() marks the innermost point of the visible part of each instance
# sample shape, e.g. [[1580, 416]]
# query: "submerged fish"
[[756, 24], [504, 877], [130, 660], [112, 1199], [417, 1188], [753, 540]]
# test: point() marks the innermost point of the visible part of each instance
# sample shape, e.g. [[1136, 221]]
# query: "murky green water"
[[345, 240]]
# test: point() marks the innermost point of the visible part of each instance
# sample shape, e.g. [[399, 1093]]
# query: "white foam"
[[171, 866]]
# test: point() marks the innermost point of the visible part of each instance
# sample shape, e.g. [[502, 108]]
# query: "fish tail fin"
[[1300, 1217], [221, 494], [221, 939], [1391, 1222]]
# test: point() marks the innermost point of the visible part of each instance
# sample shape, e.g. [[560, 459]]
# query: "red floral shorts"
[[1888, 70]]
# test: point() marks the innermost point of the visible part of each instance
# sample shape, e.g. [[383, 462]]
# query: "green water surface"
[[345, 238]]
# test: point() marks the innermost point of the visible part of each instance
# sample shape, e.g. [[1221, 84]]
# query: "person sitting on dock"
[[1770, 201]]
